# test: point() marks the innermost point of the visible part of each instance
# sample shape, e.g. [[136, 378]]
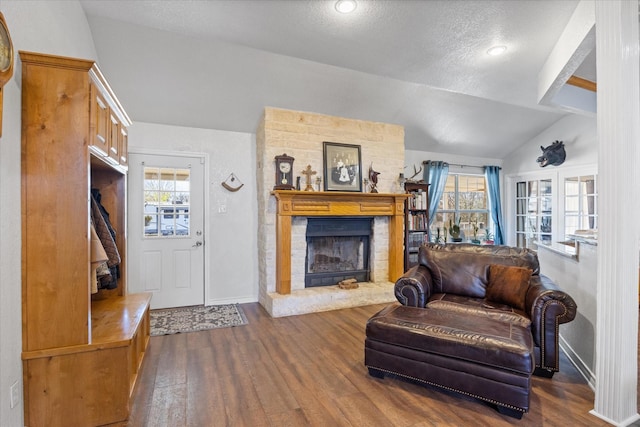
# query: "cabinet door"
[[114, 149], [123, 144], [99, 121]]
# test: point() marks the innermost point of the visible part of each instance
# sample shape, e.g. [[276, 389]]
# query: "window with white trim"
[[553, 208], [464, 203]]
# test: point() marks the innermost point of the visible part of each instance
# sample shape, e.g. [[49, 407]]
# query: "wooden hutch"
[[81, 352]]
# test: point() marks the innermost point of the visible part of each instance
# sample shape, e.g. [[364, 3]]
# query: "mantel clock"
[[284, 173]]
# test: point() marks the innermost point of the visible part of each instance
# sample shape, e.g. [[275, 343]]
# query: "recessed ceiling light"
[[346, 6], [497, 50]]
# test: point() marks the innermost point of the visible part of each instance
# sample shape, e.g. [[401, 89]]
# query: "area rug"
[[178, 320]]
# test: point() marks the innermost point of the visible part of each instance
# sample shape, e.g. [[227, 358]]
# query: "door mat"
[[178, 320]]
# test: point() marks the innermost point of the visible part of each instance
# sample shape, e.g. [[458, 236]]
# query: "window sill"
[[586, 239], [568, 249]]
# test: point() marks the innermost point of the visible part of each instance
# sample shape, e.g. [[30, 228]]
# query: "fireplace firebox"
[[337, 249]]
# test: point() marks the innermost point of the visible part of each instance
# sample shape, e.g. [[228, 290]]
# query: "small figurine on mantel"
[[373, 179], [308, 172], [416, 172]]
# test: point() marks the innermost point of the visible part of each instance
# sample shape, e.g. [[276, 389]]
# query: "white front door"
[[166, 228]]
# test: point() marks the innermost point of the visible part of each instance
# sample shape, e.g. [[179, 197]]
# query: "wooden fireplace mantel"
[[330, 203]]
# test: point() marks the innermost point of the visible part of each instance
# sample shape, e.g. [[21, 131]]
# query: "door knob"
[[198, 244]]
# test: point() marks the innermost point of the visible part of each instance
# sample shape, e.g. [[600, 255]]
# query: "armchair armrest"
[[413, 288], [548, 307]]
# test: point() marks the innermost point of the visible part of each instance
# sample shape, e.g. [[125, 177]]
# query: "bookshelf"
[[416, 218]]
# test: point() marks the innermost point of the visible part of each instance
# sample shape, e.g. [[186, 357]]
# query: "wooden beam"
[[583, 83]]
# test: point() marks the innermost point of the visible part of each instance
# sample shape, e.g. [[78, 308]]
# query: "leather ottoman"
[[488, 359]]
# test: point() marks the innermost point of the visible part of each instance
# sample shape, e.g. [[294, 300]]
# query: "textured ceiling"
[[420, 64]]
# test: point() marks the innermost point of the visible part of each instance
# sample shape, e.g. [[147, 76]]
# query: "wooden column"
[[306, 203], [283, 249], [396, 242]]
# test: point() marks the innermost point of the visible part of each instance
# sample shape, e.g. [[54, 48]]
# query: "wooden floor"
[[308, 371]]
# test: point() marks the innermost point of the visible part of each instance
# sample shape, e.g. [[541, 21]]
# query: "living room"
[[35, 26]]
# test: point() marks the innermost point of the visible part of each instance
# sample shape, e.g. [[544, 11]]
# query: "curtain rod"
[[424, 162]]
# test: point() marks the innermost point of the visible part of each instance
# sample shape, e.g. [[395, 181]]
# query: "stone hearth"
[[312, 300]]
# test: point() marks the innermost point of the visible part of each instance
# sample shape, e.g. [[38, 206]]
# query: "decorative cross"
[[308, 172]]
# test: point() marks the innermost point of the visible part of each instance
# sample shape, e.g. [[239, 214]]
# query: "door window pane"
[[534, 210], [166, 202]]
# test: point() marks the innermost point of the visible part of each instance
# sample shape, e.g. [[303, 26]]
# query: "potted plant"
[[488, 237], [438, 238], [454, 230], [474, 225], [147, 220]]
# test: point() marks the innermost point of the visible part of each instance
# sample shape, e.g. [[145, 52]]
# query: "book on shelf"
[[418, 201], [415, 240], [417, 221]]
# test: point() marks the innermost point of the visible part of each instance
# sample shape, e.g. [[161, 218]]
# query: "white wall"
[[55, 27], [232, 249], [578, 278], [578, 132], [10, 244]]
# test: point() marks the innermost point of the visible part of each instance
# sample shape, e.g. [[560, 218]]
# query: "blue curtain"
[[435, 174], [492, 173]]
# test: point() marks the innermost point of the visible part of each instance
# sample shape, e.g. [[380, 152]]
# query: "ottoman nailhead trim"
[[495, 402]]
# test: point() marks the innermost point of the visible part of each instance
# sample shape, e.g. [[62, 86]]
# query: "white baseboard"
[[576, 361], [234, 300]]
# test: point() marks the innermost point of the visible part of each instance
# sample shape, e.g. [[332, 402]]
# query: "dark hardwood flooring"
[[308, 371]]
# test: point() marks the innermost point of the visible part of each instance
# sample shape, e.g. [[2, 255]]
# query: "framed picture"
[[342, 167]]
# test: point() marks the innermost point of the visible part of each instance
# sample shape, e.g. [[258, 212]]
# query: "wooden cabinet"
[[81, 353], [108, 122], [416, 221]]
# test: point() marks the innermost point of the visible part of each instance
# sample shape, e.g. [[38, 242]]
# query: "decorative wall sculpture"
[[553, 154]]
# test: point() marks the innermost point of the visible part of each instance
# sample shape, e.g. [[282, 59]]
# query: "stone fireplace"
[[337, 249], [282, 239]]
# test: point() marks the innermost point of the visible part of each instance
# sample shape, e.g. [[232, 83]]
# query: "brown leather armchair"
[[455, 277]]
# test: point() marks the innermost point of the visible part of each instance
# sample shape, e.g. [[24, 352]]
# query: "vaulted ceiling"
[[420, 64]]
